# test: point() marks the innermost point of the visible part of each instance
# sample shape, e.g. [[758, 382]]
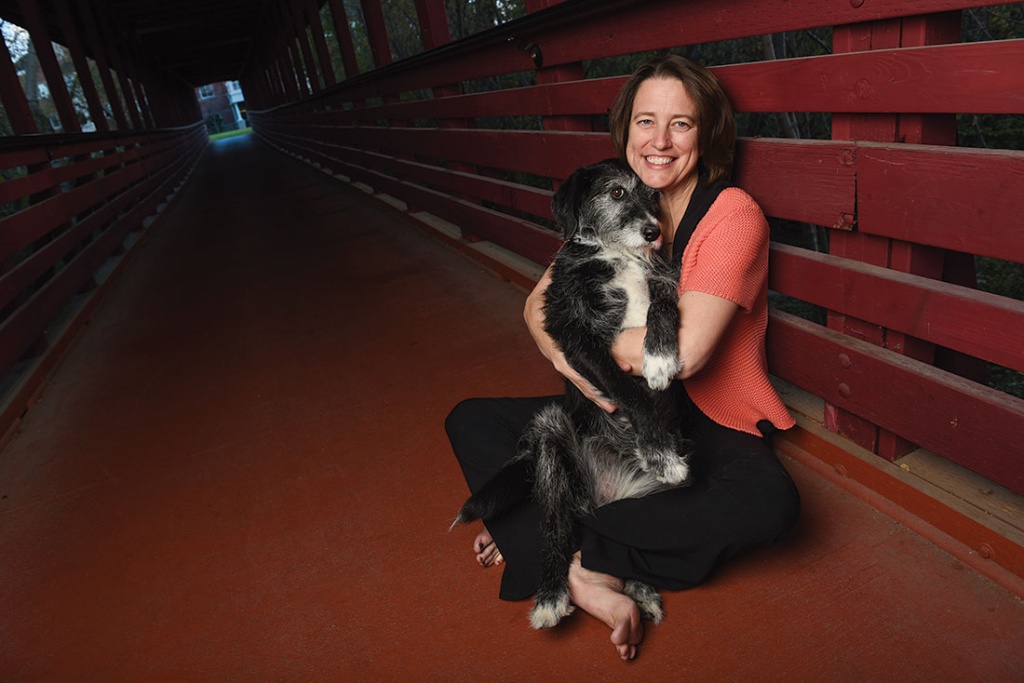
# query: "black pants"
[[742, 497]]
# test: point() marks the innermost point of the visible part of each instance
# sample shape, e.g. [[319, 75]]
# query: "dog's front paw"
[[660, 370], [547, 612], [666, 465], [674, 471]]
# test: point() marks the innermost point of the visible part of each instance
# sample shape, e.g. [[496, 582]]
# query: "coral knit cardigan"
[[727, 256]]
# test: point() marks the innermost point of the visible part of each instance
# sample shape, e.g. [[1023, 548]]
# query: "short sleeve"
[[728, 255]]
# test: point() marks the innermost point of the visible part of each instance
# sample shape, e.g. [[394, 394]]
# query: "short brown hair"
[[716, 129]]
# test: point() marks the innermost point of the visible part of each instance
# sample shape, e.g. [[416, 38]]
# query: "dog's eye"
[[618, 193]]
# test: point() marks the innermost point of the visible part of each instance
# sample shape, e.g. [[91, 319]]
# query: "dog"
[[574, 456]]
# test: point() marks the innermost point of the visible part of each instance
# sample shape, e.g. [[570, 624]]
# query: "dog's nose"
[[651, 232]]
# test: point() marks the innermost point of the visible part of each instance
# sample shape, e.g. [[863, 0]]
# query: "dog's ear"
[[568, 200]]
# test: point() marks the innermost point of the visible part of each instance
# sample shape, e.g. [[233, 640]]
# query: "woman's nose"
[[661, 138]]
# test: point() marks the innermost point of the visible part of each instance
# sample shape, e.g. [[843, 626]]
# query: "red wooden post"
[[284, 83], [39, 32], [293, 86], [298, 70], [266, 73], [73, 42], [13, 95], [316, 27], [254, 85], [344, 37], [294, 75], [562, 74], [160, 106], [902, 256], [377, 32], [433, 21], [293, 13], [435, 31], [117, 60], [137, 69], [99, 53]]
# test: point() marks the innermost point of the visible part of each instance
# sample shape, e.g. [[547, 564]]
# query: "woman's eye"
[[617, 192]]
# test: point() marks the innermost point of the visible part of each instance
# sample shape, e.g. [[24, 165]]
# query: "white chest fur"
[[631, 279]]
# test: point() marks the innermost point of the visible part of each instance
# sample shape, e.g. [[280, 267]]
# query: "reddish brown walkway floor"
[[240, 474]]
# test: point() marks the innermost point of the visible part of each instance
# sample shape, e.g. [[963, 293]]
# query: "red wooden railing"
[[72, 203], [903, 206]]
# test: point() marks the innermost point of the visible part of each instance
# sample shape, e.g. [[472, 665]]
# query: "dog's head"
[[607, 205]]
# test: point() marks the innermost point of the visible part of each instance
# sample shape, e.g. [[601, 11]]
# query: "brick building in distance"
[[222, 105]]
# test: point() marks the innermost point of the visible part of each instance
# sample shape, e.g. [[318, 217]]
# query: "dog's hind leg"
[[562, 489], [509, 487], [646, 598]]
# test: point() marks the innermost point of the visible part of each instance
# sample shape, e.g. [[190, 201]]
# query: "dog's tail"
[[510, 486]]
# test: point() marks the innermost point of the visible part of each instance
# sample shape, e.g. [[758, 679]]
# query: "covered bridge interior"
[[226, 364]]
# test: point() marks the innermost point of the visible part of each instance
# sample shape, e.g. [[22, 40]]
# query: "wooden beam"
[[433, 22], [98, 48], [39, 33], [311, 11], [293, 13], [967, 423], [13, 95], [344, 37], [377, 32], [983, 325], [72, 37]]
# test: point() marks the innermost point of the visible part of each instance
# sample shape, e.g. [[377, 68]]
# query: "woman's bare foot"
[[601, 596], [487, 553]]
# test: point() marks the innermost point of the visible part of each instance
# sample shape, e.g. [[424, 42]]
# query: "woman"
[[674, 126]]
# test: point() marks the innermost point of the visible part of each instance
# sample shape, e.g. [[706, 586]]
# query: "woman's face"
[[662, 142]]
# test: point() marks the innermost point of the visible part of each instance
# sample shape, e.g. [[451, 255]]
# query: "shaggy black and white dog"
[[574, 456]]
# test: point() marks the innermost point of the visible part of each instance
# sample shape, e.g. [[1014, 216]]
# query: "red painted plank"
[[514, 234], [21, 328], [512, 195], [28, 185], [960, 199], [921, 80], [972, 425], [603, 30], [28, 271], [978, 78], [462, 184], [23, 228], [553, 154], [593, 96], [21, 156], [810, 181], [84, 165], [977, 323], [664, 24]]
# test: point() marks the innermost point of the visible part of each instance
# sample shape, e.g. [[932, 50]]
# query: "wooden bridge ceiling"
[[200, 41]]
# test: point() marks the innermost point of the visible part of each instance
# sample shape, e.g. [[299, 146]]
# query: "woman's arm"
[[533, 313], [703, 320]]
